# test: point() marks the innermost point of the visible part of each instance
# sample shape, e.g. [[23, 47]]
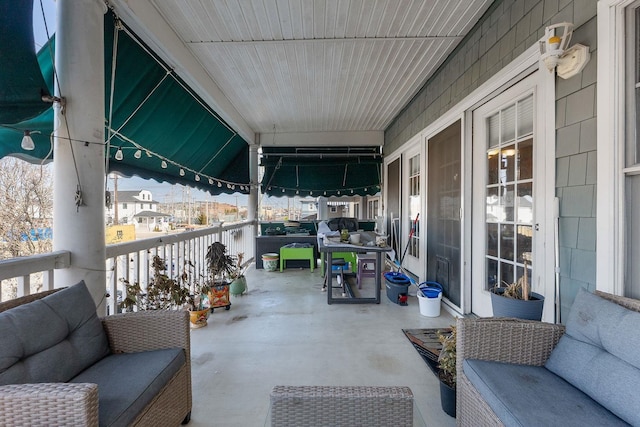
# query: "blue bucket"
[[396, 278], [430, 289]]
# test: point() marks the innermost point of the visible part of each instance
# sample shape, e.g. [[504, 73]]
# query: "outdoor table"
[[329, 245]]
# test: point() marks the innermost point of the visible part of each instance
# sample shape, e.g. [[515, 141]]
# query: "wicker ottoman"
[[341, 406]]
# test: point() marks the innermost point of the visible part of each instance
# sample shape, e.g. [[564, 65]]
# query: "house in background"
[[135, 207]]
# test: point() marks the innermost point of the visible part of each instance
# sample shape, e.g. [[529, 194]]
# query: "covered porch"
[[263, 341], [476, 144]]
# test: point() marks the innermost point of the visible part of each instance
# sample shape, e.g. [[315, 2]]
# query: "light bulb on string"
[[219, 184], [138, 153], [163, 165], [181, 172], [197, 178], [210, 181], [119, 155], [27, 142]]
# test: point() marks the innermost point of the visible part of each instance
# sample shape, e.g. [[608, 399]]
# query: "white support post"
[[79, 152], [253, 201]]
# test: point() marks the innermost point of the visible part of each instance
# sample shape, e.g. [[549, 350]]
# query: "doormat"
[[426, 343]]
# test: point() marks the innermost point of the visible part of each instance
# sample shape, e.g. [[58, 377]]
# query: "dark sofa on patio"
[[524, 373], [62, 365]]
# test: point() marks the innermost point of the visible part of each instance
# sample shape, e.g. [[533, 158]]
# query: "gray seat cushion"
[[51, 339], [533, 396], [128, 382], [599, 354]]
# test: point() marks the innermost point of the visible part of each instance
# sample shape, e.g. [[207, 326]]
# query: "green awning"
[[163, 130], [321, 171], [21, 83]]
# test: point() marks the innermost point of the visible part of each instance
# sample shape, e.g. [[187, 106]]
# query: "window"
[[509, 192], [414, 204], [631, 164], [372, 208], [124, 206]]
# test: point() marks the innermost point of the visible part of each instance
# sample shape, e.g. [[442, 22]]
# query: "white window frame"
[[611, 121], [524, 64]]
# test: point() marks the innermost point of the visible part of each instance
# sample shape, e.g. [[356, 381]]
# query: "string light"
[[27, 142], [164, 163]]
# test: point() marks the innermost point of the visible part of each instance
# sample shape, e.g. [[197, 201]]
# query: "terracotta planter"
[[521, 309], [198, 318]]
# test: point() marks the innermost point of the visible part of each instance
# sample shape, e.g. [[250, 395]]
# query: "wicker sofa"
[[62, 365], [515, 372]]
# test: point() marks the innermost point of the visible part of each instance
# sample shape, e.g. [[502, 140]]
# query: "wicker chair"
[[73, 404], [505, 340]]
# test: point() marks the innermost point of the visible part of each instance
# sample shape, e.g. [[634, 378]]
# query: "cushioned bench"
[[61, 365], [524, 373]]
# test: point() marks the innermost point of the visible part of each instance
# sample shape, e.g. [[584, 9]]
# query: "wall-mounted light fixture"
[[556, 55], [27, 142]]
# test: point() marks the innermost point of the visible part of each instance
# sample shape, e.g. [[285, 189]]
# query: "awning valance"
[[156, 126], [21, 83], [321, 171]]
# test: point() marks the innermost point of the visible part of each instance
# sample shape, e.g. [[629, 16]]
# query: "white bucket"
[[429, 307]]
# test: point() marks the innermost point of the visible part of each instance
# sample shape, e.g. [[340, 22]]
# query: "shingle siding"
[[507, 29]]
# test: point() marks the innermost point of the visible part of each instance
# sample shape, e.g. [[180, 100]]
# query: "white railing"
[[132, 260]]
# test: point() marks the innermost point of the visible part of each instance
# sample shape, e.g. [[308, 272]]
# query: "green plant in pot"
[[516, 299], [166, 293], [238, 284], [162, 292], [447, 370], [221, 267]]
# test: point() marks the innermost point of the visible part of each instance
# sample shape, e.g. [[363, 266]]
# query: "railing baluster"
[[132, 260]]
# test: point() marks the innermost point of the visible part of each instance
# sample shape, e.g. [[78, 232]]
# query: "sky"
[[162, 192]]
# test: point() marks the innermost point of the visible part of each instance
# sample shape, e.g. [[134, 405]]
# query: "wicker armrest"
[[148, 330], [506, 340], [49, 404]]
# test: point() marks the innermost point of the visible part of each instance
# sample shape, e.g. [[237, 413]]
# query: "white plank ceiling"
[[319, 65]]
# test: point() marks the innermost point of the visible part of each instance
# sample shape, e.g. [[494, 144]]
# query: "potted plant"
[[447, 370], [220, 266], [166, 293], [238, 283], [517, 299]]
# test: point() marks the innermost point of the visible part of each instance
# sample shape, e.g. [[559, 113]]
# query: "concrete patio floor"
[[283, 332]]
